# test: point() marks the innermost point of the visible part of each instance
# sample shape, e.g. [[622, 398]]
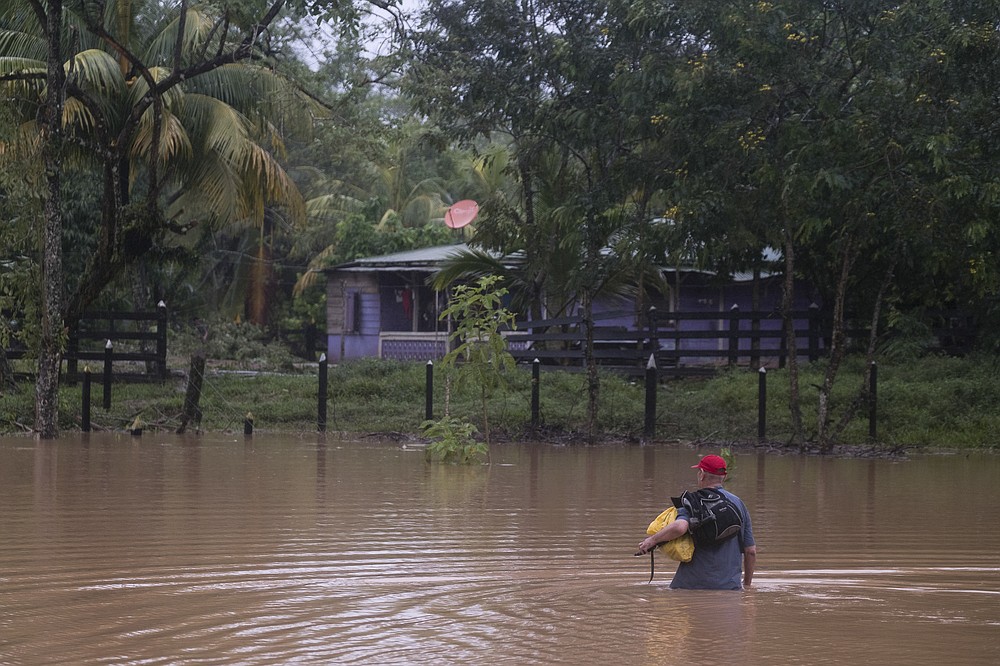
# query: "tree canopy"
[[603, 139]]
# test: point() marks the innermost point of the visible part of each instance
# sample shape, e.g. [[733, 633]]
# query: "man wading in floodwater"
[[719, 562]]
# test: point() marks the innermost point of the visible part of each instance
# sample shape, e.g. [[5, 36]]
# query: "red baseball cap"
[[712, 465]]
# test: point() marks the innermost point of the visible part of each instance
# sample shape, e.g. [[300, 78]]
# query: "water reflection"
[[274, 550]]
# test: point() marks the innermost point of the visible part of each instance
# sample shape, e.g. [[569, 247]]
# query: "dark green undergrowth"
[[927, 403]]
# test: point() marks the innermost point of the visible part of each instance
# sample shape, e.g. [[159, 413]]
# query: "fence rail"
[[116, 337], [682, 343]]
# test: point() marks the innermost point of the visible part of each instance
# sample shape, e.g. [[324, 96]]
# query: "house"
[[383, 307]]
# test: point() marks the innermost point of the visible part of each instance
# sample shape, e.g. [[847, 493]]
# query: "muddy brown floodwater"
[[277, 550]]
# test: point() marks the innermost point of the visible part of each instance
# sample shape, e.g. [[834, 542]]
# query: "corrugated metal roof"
[[430, 259], [427, 258]]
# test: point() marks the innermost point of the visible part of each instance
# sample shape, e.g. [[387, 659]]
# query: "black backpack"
[[713, 517]]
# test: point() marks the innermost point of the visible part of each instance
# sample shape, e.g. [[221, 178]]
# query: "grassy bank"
[[930, 403]]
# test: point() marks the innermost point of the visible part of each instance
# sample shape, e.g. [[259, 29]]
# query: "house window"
[[352, 312]]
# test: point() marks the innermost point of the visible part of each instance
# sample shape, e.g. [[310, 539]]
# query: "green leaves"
[[480, 350], [480, 316], [452, 441]]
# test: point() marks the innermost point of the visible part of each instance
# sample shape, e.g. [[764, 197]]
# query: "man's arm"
[[749, 563], [675, 529]]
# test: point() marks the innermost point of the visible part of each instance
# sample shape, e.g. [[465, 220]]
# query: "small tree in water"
[[480, 356]]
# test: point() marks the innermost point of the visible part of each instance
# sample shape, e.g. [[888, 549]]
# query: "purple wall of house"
[[386, 310], [367, 322]]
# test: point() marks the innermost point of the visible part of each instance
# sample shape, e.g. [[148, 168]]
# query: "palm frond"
[[25, 88], [25, 143], [197, 30], [266, 182], [76, 114], [467, 265], [21, 35], [19, 65], [332, 206], [96, 71], [314, 272], [139, 87], [258, 91], [216, 126], [174, 142], [207, 189]]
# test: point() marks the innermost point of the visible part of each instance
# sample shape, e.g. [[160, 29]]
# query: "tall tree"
[[149, 114], [847, 126], [560, 82]]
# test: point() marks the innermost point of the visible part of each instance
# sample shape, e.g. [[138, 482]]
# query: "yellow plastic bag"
[[680, 549]]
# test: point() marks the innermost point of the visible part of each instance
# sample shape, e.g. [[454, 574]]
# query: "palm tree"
[[182, 139], [401, 199], [175, 107]]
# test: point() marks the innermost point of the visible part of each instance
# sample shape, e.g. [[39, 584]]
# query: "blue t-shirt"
[[720, 566]]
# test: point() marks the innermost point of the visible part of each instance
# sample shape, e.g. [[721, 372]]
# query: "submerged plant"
[[452, 441]]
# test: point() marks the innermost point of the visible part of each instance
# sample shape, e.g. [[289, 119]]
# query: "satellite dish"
[[461, 213]]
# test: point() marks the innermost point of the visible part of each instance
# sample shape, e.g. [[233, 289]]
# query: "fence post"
[[429, 395], [872, 402], [72, 353], [107, 375], [192, 397], [783, 344], [761, 404], [813, 332], [536, 367], [654, 333], [321, 420], [85, 407], [734, 335], [649, 428], [161, 339]]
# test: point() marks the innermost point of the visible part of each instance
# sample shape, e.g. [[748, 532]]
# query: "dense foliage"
[[220, 156]]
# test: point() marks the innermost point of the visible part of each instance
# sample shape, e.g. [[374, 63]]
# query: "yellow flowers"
[[939, 55], [751, 139], [766, 87], [698, 64], [799, 38], [659, 119], [764, 7]]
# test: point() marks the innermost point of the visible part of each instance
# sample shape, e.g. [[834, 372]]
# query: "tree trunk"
[[836, 351], [863, 393], [105, 263], [50, 349], [787, 306], [589, 289], [593, 379], [6, 372]]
